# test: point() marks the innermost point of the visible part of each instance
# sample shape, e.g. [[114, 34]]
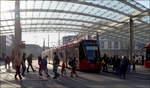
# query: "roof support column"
[[98, 43], [17, 28], [131, 39]]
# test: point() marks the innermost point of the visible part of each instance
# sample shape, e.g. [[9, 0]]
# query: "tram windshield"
[[91, 52], [148, 52]]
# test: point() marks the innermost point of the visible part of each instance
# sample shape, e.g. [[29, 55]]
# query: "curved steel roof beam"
[[65, 19], [50, 24], [66, 25], [61, 28], [62, 11]]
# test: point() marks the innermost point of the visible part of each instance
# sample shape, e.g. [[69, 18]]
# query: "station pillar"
[[18, 34], [131, 38]]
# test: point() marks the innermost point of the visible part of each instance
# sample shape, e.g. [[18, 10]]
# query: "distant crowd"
[[120, 66], [19, 64]]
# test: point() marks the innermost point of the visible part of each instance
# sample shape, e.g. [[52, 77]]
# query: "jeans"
[[55, 67]]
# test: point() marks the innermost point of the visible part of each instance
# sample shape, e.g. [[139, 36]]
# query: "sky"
[[38, 38]]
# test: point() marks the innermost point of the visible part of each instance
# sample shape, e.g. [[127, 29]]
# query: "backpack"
[[103, 62]]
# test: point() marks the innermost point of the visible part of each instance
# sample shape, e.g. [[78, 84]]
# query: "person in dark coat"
[[29, 59], [55, 65], [124, 66], [23, 64], [40, 63]]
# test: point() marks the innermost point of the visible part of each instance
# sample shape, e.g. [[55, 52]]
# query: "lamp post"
[[131, 39], [18, 34]]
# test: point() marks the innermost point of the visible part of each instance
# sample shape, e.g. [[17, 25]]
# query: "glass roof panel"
[[46, 4], [146, 19], [5, 6], [113, 4], [30, 4], [38, 4], [137, 4], [6, 28], [12, 27], [4, 23], [23, 5], [7, 16], [11, 22]]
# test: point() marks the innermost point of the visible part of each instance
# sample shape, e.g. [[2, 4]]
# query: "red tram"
[[86, 51], [147, 62]]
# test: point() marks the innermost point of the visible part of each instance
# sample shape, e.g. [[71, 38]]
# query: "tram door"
[[77, 54]]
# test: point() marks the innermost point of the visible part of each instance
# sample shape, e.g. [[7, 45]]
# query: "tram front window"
[[90, 52], [148, 55]]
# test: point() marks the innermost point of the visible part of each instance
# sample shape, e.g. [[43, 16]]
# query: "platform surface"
[[85, 80]]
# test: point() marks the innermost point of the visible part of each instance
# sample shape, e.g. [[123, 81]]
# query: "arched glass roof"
[[110, 17]]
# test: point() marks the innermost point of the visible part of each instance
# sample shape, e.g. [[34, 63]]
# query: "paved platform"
[[85, 80]]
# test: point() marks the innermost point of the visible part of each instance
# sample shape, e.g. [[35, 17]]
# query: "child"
[[63, 69]]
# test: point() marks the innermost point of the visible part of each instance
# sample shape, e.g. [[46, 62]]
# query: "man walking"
[[23, 64], [17, 66], [55, 65], [29, 59]]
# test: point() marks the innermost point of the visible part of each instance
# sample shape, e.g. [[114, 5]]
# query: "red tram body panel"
[[147, 62], [86, 51]]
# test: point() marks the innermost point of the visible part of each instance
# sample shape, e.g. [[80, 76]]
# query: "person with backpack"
[[73, 64], [45, 65], [55, 65], [105, 63]]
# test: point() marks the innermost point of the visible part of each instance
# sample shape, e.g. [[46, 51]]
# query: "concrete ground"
[[85, 80]]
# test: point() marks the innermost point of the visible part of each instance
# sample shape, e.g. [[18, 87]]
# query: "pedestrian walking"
[[55, 65], [17, 61], [124, 66], [63, 69], [29, 59], [23, 64], [45, 65], [7, 62], [73, 64], [40, 63]]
